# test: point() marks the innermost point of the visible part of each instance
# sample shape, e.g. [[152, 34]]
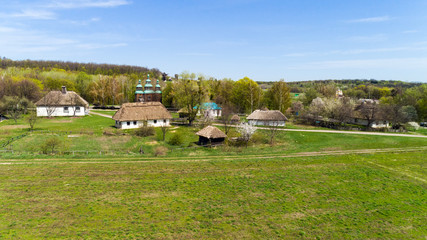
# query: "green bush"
[[258, 138], [50, 145], [145, 131], [176, 139]]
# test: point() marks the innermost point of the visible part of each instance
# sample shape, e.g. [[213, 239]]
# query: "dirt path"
[[125, 160], [341, 132], [100, 114]]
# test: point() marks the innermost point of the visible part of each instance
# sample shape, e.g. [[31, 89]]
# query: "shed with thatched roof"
[[267, 118], [211, 135], [134, 115], [235, 119], [62, 103]]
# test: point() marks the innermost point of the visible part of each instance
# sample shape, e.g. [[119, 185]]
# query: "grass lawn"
[[86, 134], [372, 196], [106, 112]]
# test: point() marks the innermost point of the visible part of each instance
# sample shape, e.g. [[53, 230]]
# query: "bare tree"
[[226, 115], [274, 126], [12, 107], [164, 129], [73, 99], [369, 111], [50, 102]]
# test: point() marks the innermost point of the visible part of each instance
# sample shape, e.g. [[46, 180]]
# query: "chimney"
[[64, 90]]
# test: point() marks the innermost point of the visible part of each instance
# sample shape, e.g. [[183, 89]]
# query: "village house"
[[135, 115], [209, 109], [62, 104], [267, 118], [211, 135]]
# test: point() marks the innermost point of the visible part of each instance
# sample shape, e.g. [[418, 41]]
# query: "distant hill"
[[300, 86], [89, 68]]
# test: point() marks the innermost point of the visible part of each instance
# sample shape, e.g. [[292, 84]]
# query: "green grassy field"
[[306, 185], [86, 135], [371, 196]]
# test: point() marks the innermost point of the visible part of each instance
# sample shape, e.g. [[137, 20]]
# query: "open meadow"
[[307, 185]]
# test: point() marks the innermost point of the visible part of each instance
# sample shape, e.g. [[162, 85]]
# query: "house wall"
[[267, 123], [376, 124], [210, 113], [137, 124], [59, 112]]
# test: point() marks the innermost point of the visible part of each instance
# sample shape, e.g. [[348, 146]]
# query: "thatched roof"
[[211, 132], [142, 112], [269, 115], [235, 118], [62, 98], [183, 110]]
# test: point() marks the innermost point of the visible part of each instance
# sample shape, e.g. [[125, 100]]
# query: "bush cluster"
[[176, 139], [145, 131]]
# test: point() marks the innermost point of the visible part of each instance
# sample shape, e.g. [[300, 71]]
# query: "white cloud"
[[410, 31], [89, 46], [196, 54], [370, 20], [24, 41], [69, 4], [32, 14], [373, 38], [82, 22]]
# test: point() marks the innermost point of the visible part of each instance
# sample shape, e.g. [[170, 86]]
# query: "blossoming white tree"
[[246, 131]]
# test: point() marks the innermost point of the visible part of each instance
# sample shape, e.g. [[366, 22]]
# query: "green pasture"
[[372, 196], [106, 112], [94, 134]]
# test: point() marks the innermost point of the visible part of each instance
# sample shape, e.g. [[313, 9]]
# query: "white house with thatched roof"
[[62, 104], [138, 114], [267, 118]]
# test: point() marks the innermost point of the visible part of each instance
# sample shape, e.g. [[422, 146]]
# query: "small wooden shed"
[[235, 119], [211, 135]]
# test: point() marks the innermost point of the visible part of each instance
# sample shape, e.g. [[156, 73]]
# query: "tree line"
[[88, 68], [188, 91]]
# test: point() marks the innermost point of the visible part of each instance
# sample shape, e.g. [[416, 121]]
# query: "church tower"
[[150, 93]]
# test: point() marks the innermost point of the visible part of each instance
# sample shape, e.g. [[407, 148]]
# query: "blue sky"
[[264, 40]]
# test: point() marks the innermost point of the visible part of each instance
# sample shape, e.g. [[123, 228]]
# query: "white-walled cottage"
[[135, 115], [267, 118], [62, 104]]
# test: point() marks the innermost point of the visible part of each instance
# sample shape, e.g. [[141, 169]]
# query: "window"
[[164, 121], [155, 121], [77, 109], [66, 110], [134, 122], [128, 123]]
